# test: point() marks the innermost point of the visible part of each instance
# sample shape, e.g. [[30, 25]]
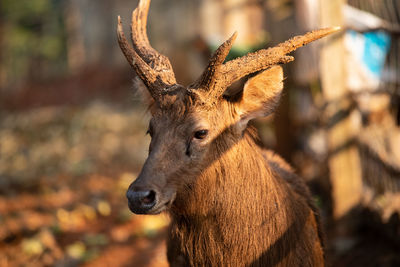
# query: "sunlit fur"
[[233, 216], [232, 203]]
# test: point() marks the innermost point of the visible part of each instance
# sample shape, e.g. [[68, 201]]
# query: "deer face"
[[188, 123], [185, 135], [180, 140], [182, 134]]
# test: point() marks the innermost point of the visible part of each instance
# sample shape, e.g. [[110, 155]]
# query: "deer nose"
[[141, 201]]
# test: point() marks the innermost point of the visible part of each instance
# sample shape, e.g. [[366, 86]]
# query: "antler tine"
[[139, 23], [139, 34], [144, 71], [208, 76], [141, 44], [154, 69], [235, 69]]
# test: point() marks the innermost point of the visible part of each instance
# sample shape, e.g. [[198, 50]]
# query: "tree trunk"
[[75, 45]]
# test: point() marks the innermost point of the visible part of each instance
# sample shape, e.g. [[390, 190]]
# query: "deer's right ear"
[[142, 90], [261, 94]]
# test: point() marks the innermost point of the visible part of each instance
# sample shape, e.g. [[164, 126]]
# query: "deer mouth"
[[160, 208], [162, 205]]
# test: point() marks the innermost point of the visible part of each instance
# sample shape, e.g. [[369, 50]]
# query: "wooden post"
[[344, 162], [221, 18]]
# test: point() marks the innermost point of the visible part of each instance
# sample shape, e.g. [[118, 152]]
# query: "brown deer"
[[231, 202]]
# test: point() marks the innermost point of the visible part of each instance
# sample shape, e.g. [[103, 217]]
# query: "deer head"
[[191, 126]]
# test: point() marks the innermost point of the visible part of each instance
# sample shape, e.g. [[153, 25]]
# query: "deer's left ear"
[[144, 94], [261, 95]]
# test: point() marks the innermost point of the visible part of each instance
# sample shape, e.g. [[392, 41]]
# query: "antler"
[[220, 76], [153, 68], [210, 73], [156, 71]]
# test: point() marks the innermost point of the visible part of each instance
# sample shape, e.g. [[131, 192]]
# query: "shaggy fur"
[[232, 203], [246, 209]]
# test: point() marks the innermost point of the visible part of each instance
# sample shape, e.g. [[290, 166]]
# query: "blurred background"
[[72, 128]]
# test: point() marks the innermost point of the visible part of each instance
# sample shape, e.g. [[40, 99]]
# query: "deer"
[[231, 201]]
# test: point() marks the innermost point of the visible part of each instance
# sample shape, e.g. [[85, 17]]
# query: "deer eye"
[[200, 134]]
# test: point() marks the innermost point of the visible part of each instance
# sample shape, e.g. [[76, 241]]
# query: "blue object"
[[375, 50]]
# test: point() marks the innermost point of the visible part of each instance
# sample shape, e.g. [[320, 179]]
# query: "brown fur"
[[232, 203], [242, 211]]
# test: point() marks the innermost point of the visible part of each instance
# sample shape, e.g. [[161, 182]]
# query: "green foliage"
[[25, 8], [33, 39]]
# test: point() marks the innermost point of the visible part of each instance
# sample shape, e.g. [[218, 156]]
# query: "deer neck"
[[238, 197], [238, 181]]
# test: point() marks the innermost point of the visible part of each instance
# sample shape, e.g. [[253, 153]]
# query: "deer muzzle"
[[141, 201], [148, 198]]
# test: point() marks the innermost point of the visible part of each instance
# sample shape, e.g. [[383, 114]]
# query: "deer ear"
[[261, 94], [143, 92]]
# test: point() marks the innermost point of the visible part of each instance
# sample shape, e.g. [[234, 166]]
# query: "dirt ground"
[[64, 172]]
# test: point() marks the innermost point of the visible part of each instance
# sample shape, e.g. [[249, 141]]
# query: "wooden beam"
[[344, 161]]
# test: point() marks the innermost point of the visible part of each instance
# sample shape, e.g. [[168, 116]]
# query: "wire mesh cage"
[[379, 139]]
